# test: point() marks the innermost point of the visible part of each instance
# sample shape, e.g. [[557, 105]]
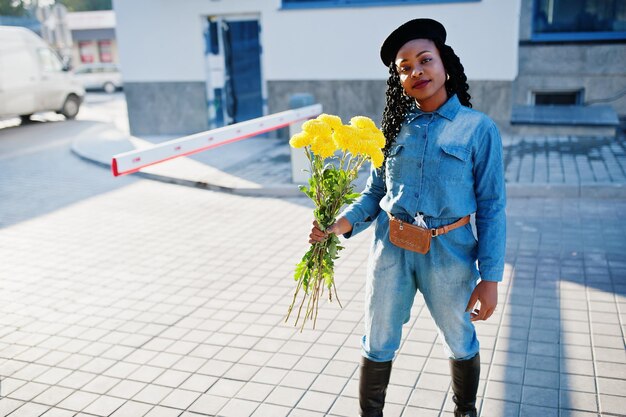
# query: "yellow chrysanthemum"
[[331, 120], [326, 134], [323, 146], [351, 140], [362, 122], [377, 158], [343, 135], [373, 135], [300, 140], [367, 146], [379, 138], [340, 139], [317, 128]]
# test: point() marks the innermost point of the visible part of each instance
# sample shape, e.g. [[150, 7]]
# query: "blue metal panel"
[[244, 97], [93, 34], [565, 115], [23, 21], [578, 36]]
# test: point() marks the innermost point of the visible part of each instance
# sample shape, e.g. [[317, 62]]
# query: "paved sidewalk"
[[150, 299], [160, 300]]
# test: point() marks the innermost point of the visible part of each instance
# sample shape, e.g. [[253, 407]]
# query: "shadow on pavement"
[[560, 330], [41, 175]]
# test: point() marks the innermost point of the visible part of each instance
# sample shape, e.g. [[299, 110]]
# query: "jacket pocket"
[[452, 162]]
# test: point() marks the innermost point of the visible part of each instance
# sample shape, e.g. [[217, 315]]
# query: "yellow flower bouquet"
[[336, 152]]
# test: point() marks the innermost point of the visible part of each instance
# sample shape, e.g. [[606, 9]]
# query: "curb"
[[90, 150]]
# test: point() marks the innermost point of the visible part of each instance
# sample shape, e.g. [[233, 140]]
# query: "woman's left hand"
[[487, 293]]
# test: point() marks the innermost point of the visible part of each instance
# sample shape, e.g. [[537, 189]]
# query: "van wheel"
[[70, 107], [25, 118], [109, 88]]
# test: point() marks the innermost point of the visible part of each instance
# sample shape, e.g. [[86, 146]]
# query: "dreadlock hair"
[[457, 84], [397, 103]]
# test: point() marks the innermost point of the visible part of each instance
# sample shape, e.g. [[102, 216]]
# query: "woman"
[[443, 161]]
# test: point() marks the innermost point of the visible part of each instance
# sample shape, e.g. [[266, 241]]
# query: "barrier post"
[[299, 161]]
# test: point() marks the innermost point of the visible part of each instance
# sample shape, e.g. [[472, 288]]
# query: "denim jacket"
[[445, 164]]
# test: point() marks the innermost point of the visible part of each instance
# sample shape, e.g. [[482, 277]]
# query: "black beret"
[[413, 29]]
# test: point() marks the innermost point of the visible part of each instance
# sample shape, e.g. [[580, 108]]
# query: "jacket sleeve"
[[365, 209], [490, 191]]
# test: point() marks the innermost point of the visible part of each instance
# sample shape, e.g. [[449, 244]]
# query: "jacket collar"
[[448, 110]]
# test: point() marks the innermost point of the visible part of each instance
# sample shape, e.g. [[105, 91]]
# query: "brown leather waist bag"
[[417, 239]]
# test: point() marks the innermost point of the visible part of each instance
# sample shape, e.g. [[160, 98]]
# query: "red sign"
[[86, 50]]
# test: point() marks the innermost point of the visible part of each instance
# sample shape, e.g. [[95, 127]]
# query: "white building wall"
[[332, 53], [343, 43], [161, 40]]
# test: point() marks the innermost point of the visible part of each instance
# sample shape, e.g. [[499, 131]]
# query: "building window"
[[558, 98], [305, 4], [104, 48], [574, 20], [87, 51]]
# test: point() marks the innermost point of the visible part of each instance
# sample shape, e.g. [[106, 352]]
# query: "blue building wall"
[[27, 22]]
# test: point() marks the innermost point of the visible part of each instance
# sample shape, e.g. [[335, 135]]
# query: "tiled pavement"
[[165, 301], [160, 300], [565, 159]]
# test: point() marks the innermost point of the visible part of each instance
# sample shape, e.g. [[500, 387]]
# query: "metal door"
[[233, 60], [242, 53]]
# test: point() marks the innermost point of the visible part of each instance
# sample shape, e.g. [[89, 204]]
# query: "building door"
[[233, 60]]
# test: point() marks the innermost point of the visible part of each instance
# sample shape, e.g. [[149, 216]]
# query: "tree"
[[85, 5], [12, 8]]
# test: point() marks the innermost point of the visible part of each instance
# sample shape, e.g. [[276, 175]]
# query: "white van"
[[32, 77]]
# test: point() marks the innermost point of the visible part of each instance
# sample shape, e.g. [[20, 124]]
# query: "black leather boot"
[[465, 375], [373, 387]]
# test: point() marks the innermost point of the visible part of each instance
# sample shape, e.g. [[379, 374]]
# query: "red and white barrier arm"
[[133, 161]]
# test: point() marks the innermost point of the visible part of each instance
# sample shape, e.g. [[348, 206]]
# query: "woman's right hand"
[[340, 227]]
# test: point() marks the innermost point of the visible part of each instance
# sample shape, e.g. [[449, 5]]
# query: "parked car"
[[100, 76], [32, 77]]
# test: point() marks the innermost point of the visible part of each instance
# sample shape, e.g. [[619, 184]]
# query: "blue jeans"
[[446, 276]]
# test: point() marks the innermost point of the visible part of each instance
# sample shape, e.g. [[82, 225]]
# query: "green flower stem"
[[343, 159], [330, 187], [314, 289], [317, 284]]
